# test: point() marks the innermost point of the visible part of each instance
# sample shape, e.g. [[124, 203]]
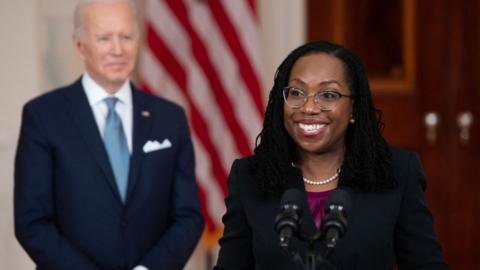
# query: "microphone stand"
[[290, 218], [316, 260], [313, 259]]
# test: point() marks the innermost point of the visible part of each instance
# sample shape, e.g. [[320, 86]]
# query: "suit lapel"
[[82, 115], [295, 181], [142, 116]]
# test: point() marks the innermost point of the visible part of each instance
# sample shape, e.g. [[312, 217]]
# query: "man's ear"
[[78, 46]]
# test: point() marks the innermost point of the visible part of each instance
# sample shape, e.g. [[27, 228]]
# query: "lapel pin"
[[145, 113]]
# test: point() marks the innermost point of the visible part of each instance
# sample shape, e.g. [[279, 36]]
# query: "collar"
[[96, 94]]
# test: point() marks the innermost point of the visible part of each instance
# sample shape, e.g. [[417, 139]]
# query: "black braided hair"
[[367, 163]]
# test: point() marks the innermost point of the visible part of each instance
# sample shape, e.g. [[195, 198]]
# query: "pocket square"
[[151, 146]]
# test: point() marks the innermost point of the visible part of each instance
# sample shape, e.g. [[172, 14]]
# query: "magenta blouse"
[[317, 202]]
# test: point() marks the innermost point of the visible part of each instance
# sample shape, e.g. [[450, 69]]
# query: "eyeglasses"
[[326, 100]]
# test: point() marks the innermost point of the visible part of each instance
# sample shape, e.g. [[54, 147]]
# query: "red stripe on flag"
[[210, 224], [232, 39], [163, 54], [201, 55], [253, 6], [146, 88], [169, 15]]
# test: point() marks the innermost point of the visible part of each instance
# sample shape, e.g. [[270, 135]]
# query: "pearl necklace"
[[324, 181], [320, 182]]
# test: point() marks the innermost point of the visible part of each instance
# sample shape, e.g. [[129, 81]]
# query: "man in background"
[[104, 174]]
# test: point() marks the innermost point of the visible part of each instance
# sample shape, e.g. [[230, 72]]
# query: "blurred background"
[[422, 57]]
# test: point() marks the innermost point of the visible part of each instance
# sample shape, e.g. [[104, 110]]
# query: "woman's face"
[[317, 131]]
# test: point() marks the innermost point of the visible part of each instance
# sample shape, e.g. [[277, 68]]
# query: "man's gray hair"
[[79, 10]]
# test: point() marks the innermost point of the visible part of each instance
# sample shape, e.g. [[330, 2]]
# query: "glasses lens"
[[327, 99], [328, 96], [295, 98]]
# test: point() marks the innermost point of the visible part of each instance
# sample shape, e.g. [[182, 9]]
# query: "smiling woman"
[[321, 133], [319, 125]]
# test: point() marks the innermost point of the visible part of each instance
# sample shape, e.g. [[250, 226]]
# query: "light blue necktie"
[[117, 148]]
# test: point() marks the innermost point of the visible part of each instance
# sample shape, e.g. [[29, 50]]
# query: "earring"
[[352, 121]]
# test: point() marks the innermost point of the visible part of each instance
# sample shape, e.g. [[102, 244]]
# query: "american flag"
[[205, 56]]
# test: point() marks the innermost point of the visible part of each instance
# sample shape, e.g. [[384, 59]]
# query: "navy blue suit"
[[68, 212]]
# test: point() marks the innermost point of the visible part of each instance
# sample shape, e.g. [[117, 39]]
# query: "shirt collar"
[[95, 93]]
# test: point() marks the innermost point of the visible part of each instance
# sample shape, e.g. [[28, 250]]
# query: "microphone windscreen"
[[291, 196], [339, 197]]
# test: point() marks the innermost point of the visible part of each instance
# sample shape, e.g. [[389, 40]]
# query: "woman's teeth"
[[310, 127]]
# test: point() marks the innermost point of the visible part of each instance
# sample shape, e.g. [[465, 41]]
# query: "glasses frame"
[[315, 100]]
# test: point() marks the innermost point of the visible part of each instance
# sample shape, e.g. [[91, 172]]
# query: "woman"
[[321, 131]]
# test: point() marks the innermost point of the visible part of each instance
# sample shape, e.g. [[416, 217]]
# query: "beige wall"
[[19, 80], [37, 55]]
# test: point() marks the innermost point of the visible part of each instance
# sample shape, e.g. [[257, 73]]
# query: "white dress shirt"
[[124, 107]]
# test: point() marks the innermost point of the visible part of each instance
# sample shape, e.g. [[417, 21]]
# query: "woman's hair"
[[367, 164]]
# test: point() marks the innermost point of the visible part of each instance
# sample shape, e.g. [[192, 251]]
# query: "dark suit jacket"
[[382, 227], [68, 213]]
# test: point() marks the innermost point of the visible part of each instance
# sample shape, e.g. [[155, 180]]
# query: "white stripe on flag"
[[154, 75], [177, 39], [247, 28], [227, 103], [227, 69]]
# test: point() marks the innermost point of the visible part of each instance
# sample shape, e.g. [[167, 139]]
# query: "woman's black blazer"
[[384, 229]]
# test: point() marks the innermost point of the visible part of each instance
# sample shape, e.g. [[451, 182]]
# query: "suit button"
[[124, 223]]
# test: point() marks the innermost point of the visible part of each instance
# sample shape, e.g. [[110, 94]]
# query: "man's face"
[[108, 43]]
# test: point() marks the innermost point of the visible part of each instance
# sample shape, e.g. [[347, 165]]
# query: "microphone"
[[289, 217], [334, 224]]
